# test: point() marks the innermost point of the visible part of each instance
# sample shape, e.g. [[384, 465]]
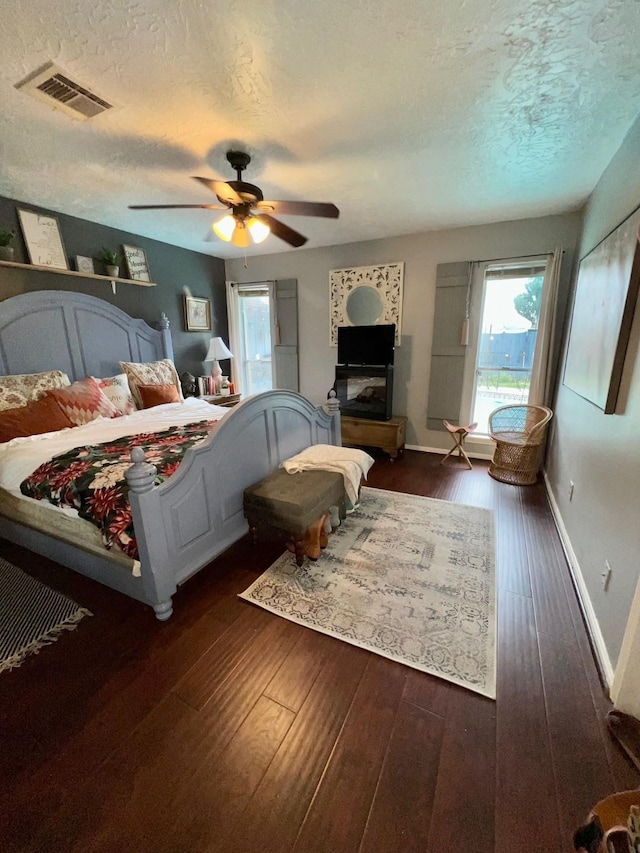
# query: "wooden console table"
[[387, 435]]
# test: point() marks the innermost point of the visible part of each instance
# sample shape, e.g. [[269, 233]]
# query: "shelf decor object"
[[366, 296], [43, 239], [197, 314], [84, 264], [137, 266]]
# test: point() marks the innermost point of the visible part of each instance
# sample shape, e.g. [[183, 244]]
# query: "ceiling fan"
[[249, 213]]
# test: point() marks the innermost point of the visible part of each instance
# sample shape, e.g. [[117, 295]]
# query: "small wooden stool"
[[296, 505], [458, 434]]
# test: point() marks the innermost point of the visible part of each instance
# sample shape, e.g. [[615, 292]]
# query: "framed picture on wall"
[[136, 261], [197, 314], [43, 240], [604, 304]]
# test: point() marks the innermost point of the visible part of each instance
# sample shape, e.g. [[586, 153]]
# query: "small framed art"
[[84, 264], [43, 240], [197, 314], [137, 266]]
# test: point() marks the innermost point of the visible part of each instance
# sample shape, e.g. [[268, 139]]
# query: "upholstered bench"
[[296, 505]]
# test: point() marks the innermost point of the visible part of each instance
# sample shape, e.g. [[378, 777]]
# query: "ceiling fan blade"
[[279, 229], [176, 207], [299, 208], [221, 189]]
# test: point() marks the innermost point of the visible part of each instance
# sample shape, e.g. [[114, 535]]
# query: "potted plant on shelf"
[[111, 261], [6, 239]]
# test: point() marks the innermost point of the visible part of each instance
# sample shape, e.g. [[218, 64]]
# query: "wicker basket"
[[519, 432]]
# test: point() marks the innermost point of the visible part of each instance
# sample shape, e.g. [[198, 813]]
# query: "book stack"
[[205, 385]]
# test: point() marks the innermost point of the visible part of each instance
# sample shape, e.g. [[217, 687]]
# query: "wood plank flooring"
[[228, 729]]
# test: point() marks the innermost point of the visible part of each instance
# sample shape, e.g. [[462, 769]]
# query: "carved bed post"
[[332, 408], [163, 325], [156, 579]]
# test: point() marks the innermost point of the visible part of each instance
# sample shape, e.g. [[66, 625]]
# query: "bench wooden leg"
[[325, 530], [299, 547]]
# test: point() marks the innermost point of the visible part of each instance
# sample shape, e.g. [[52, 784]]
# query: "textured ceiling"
[[410, 116]]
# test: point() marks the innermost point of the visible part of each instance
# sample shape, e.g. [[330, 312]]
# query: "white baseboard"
[[586, 604], [472, 454]]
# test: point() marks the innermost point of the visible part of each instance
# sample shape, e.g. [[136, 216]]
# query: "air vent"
[[54, 86]]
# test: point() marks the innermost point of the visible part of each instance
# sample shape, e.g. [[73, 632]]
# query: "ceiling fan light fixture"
[[240, 235], [258, 230], [224, 228]]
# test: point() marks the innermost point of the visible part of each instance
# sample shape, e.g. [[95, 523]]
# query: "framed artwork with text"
[[136, 261]]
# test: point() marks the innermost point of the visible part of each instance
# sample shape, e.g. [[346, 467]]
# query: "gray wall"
[[601, 453], [171, 268], [421, 254]]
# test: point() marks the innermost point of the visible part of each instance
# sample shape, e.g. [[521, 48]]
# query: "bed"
[[186, 521]]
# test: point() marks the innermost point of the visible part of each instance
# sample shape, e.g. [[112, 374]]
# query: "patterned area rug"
[[31, 615], [407, 577]]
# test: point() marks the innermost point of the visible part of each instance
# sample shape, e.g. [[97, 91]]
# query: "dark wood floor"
[[229, 729]]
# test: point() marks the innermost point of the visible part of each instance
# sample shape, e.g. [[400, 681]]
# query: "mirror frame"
[[387, 279]]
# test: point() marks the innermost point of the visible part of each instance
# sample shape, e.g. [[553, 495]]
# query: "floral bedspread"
[[90, 479]]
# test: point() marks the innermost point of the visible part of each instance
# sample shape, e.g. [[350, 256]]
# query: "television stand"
[[386, 435]]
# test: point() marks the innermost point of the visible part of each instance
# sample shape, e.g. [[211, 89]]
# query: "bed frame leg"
[[163, 610]]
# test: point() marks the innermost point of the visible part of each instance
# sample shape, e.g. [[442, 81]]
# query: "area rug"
[[407, 577], [31, 615]]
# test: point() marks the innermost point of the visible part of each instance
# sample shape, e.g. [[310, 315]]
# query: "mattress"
[[20, 457], [62, 524]]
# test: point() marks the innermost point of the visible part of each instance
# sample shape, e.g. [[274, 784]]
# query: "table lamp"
[[217, 349]]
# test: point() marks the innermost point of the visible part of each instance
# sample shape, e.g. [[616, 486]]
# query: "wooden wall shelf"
[[37, 268]]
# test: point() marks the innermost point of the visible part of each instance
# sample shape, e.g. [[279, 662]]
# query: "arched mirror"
[[366, 296], [364, 306]]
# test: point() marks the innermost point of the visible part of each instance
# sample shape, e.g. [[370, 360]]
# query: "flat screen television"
[[365, 392], [366, 344]]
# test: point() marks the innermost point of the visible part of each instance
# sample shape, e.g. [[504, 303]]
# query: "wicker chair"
[[519, 432]]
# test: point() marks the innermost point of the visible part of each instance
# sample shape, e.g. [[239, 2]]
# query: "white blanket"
[[21, 456], [351, 463]]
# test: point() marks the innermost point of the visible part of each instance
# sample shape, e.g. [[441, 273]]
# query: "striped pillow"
[[84, 401]]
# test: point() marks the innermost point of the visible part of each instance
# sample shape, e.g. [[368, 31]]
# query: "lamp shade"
[[225, 227], [217, 350]]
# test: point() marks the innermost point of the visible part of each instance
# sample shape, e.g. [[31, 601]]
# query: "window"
[[505, 310], [251, 329]]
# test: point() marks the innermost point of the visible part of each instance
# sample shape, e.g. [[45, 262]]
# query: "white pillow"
[[116, 388]]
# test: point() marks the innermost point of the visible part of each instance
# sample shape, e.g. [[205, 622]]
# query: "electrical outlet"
[[606, 575], [571, 487]]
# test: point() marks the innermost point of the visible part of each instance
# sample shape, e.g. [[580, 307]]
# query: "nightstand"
[[227, 400]]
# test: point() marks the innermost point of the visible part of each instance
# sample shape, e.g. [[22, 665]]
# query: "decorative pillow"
[[150, 373], [18, 390], [84, 401], [156, 395], [34, 418], [116, 388]]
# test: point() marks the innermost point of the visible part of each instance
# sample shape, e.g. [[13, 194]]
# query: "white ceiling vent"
[[53, 86]]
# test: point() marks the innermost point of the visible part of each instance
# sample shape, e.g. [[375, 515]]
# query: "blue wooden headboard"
[[78, 334]]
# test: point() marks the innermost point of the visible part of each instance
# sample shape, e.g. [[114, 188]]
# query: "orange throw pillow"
[[33, 419], [156, 395]]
